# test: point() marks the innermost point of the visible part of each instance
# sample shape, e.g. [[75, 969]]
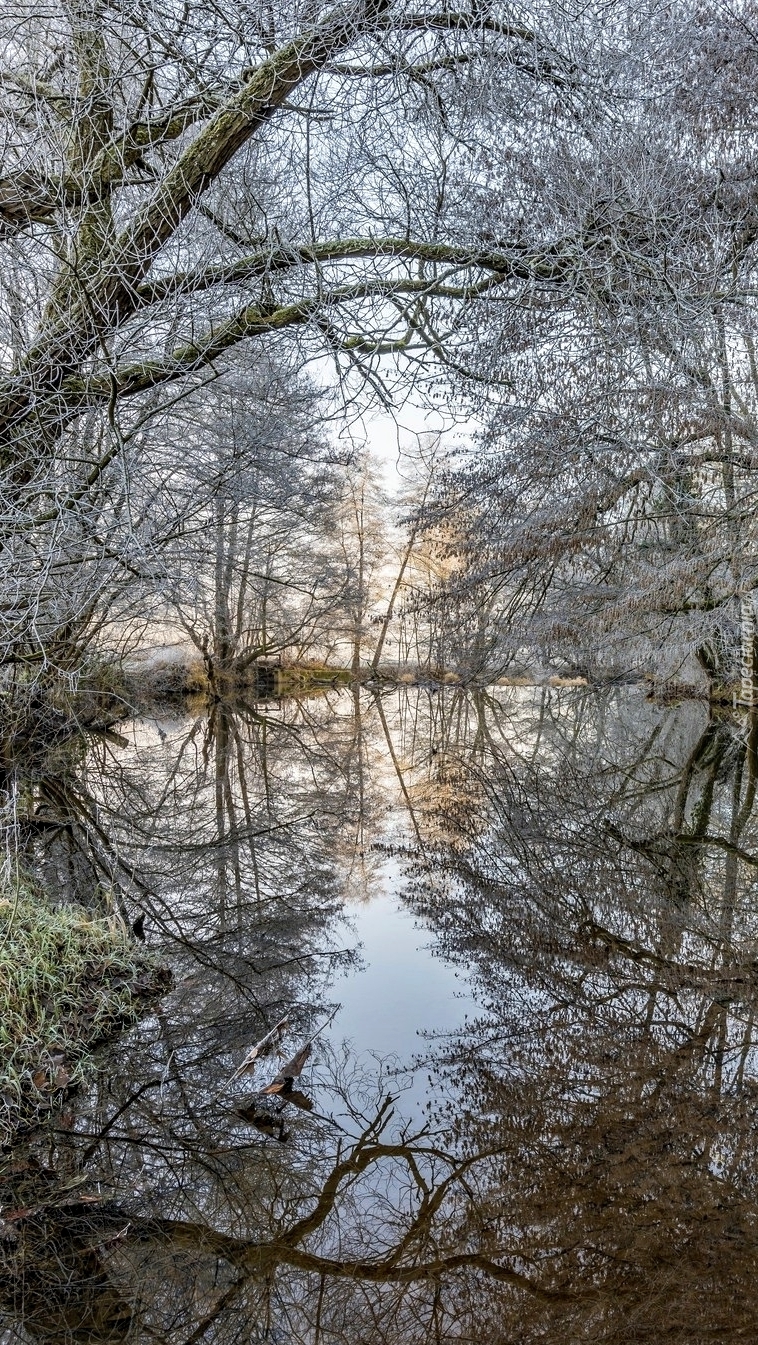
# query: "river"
[[519, 927]]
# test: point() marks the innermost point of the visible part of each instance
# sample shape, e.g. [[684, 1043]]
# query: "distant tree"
[[251, 490], [362, 549]]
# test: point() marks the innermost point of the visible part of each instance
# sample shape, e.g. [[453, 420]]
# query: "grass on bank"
[[67, 981], [299, 678]]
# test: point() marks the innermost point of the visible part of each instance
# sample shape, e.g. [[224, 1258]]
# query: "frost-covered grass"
[[66, 982]]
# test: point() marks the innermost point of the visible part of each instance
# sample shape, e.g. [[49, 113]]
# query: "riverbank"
[[175, 672], [68, 982]]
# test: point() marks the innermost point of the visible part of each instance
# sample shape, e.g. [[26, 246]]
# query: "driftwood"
[[257, 1052], [293, 1068]]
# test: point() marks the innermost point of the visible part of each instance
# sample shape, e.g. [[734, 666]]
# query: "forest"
[[378, 672], [227, 237]]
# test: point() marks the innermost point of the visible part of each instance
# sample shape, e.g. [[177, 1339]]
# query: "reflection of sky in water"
[[401, 990]]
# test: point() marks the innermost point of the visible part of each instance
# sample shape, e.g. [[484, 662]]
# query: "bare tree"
[[179, 185], [248, 537], [606, 514]]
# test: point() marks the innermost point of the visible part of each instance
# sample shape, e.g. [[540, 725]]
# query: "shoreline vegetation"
[[69, 982], [172, 672]]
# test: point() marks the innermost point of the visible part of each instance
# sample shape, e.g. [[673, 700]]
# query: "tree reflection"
[[587, 1166], [362, 1221], [608, 901]]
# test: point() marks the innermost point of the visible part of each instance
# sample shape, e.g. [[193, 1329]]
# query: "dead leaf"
[[290, 1071], [299, 1099]]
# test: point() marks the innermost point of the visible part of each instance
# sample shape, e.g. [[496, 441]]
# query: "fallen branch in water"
[[261, 1048], [293, 1068]]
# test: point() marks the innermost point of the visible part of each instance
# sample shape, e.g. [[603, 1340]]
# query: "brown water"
[[533, 915]]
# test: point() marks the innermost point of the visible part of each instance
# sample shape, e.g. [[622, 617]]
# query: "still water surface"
[[526, 921]]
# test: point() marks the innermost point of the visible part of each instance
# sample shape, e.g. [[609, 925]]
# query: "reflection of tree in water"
[[158, 1210], [341, 1237], [219, 838], [594, 858], [607, 896]]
